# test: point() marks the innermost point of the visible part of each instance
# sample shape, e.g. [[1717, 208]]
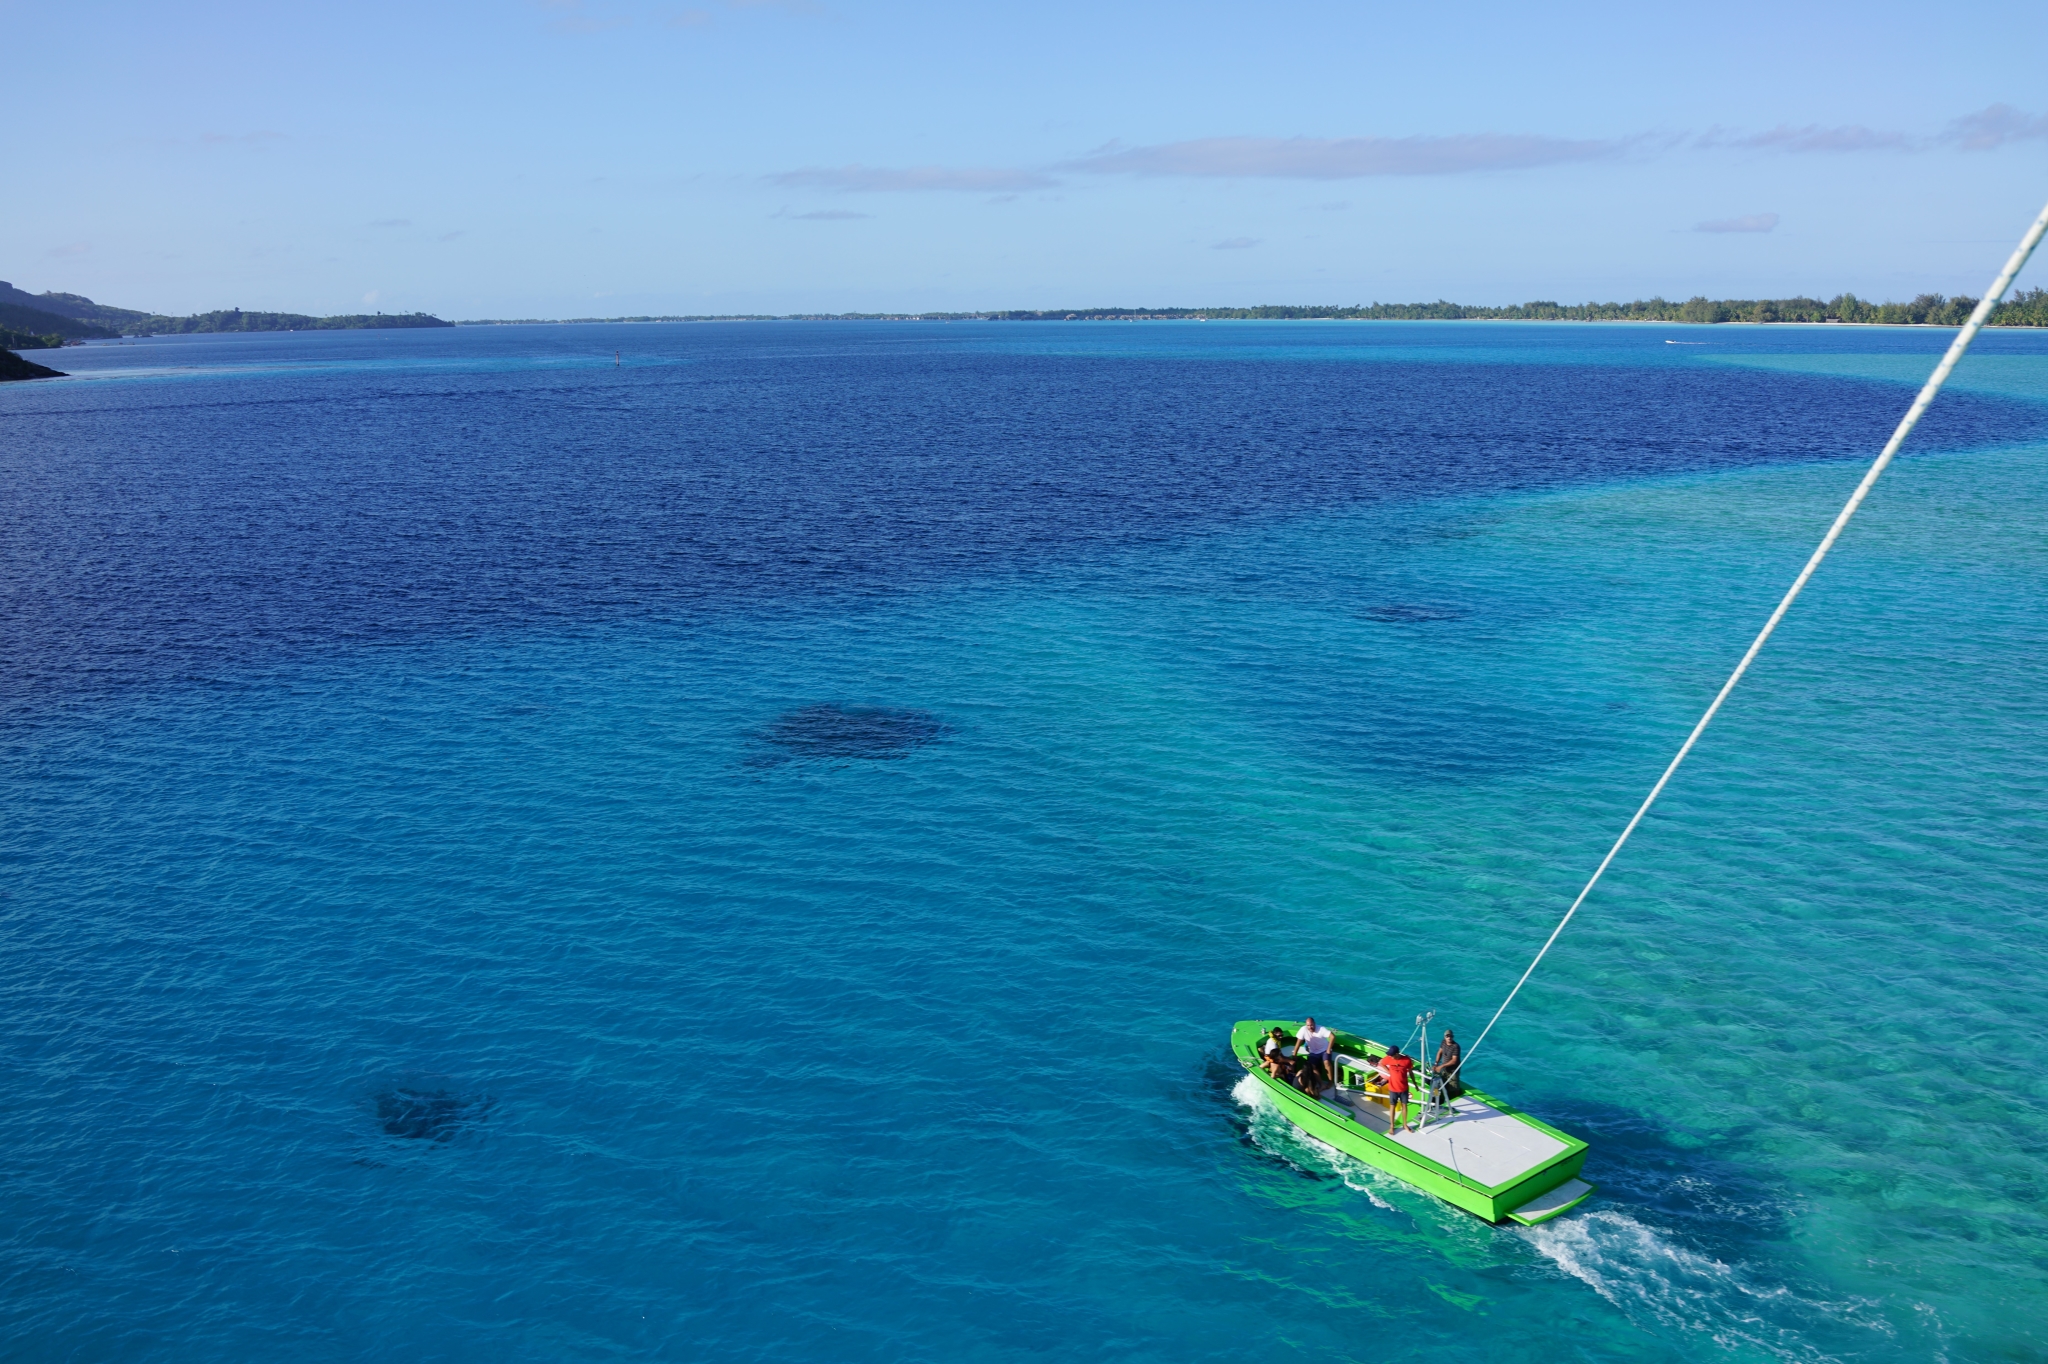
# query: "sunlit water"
[[753, 851]]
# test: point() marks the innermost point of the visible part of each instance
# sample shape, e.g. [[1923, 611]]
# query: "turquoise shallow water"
[[745, 1052]]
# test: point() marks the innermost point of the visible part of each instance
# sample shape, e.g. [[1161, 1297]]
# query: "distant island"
[[2026, 309], [41, 321], [48, 320]]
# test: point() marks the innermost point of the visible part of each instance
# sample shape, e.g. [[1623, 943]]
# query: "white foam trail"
[[1274, 1134], [1657, 1282], [1652, 1279]]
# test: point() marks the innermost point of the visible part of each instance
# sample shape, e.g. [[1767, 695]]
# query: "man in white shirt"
[[1315, 1047]]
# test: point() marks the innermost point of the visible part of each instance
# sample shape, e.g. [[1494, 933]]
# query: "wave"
[[1272, 1133], [1656, 1282], [1646, 1274]]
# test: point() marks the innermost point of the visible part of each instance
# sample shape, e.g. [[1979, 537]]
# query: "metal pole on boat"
[[1422, 1064]]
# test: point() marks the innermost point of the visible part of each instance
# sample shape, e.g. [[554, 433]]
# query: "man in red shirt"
[[1395, 1066]]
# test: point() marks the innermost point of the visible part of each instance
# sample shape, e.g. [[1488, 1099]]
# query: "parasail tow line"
[[1877, 467]]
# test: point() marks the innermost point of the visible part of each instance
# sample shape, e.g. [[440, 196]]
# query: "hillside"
[[77, 307], [12, 366], [235, 320], [77, 318], [16, 317], [14, 340]]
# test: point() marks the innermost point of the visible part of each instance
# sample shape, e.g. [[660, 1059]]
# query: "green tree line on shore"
[[2026, 309], [235, 320], [72, 317], [14, 340], [20, 321]]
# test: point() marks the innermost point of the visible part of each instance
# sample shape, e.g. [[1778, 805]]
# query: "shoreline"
[[1143, 317]]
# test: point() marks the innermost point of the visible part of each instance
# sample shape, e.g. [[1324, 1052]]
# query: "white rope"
[[1891, 448]]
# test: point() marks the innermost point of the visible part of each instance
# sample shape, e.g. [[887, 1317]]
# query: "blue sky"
[[602, 157]]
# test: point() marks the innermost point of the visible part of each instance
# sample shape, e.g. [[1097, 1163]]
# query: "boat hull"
[[1560, 1158]]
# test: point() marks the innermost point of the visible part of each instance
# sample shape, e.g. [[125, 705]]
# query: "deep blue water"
[[752, 851], [273, 495]]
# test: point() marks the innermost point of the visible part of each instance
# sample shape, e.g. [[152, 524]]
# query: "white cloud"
[[1995, 126], [698, 17], [1847, 137], [577, 20], [882, 179], [1347, 158], [1986, 130], [1748, 222], [1351, 158]]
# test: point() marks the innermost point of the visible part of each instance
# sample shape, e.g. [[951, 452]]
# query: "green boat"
[[1472, 1151]]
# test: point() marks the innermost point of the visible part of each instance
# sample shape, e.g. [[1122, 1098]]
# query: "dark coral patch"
[[831, 731], [420, 1112]]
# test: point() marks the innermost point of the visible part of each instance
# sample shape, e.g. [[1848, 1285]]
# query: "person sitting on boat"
[[1449, 1056], [1395, 1067], [1317, 1044], [1273, 1054]]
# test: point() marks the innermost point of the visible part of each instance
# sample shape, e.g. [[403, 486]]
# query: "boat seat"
[[1346, 1061]]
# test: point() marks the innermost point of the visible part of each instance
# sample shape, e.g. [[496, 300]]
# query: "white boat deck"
[[1475, 1139]]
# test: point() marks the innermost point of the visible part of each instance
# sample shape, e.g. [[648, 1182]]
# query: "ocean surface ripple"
[[752, 852]]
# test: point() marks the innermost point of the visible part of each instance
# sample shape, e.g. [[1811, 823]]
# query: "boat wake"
[[1658, 1283], [1272, 1133], [1646, 1274]]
